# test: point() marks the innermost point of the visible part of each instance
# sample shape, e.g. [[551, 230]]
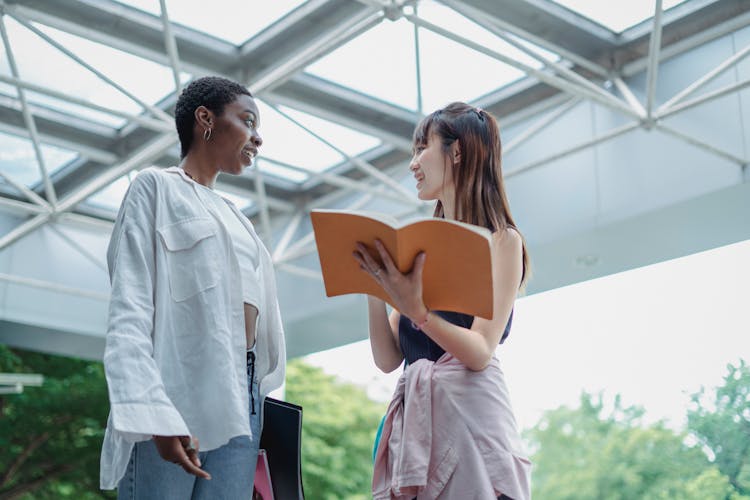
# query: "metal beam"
[[21, 207], [540, 125], [653, 60], [279, 73], [571, 56], [27, 117], [158, 113], [96, 260], [150, 123], [301, 271], [53, 287], [629, 96], [343, 182], [171, 46], [31, 195], [477, 17], [291, 228], [260, 189], [24, 228], [142, 156], [94, 154], [358, 162], [624, 129], [708, 96], [552, 80], [701, 144], [708, 77]]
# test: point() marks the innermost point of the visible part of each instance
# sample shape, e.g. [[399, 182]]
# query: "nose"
[[256, 139], [413, 163]]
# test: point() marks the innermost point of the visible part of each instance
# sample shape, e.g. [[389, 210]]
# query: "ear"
[[204, 117], [456, 152]]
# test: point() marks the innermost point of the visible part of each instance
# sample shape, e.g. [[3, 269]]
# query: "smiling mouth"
[[250, 153]]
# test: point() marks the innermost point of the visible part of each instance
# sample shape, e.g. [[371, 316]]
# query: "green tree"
[[587, 453], [720, 420], [50, 436], [338, 428]]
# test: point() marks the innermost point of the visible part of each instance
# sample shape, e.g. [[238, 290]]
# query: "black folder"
[[282, 440]]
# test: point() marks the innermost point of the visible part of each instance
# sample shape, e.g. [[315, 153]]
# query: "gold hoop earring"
[[207, 134]]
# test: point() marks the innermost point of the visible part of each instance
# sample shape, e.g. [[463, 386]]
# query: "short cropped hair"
[[213, 92]]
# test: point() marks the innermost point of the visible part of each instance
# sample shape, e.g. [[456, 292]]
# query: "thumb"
[[419, 264]]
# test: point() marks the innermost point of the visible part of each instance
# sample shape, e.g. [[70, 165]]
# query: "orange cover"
[[457, 273]]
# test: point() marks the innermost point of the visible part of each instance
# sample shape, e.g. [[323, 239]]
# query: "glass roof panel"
[[230, 20], [18, 160], [462, 73], [125, 69], [617, 16], [273, 168], [308, 152], [346, 139], [380, 63], [111, 196]]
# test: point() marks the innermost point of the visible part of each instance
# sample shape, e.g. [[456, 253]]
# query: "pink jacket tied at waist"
[[450, 433]]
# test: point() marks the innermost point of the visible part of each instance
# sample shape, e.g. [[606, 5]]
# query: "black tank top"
[[416, 345]]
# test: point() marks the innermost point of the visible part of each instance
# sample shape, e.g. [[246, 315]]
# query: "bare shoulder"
[[507, 240]]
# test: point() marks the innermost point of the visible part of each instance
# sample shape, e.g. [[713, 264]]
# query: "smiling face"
[[432, 170], [234, 138]]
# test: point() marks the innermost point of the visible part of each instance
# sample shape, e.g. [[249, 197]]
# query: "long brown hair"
[[478, 178]]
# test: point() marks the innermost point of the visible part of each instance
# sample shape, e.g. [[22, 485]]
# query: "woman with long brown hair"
[[450, 430]]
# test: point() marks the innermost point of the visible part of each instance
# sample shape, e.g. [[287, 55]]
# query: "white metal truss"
[[576, 76]]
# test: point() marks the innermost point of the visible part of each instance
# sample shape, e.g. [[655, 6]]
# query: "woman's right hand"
[[183, 451]]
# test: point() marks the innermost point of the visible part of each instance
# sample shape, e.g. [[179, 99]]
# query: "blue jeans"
[[232, 466]]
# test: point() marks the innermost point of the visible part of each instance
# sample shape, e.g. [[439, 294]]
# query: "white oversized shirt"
[[175, 347]]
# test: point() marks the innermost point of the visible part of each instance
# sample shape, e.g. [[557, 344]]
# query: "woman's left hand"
[[405, 290]]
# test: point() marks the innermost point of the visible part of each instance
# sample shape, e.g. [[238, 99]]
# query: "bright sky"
[[653, 334]]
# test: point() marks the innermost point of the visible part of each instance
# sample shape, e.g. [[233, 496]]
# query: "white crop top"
[[247, 252]]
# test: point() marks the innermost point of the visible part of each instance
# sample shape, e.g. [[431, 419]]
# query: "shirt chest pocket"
[[192, 256]]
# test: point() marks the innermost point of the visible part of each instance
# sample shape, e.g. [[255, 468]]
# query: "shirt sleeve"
[[140, 406]]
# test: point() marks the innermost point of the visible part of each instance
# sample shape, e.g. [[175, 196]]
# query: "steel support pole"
[[171, 46], [552, 80], [575, 149], [158, 113], [28, 119], [653, 60], [700, 82]]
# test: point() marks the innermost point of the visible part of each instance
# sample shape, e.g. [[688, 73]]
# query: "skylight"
[[382, 63], [617, 16], [286, 143], [125, 69], [230, 20], [18, 160], [461, 73], [110, 198]]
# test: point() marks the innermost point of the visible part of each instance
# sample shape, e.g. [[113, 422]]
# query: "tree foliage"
[[50, 436], [592, 453], [338, 428], [722, 424]]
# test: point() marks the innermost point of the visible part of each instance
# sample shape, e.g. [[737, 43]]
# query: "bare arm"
[[473, 347], [384, 335]]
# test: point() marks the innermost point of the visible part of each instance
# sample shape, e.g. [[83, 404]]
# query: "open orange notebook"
[[458, 269]]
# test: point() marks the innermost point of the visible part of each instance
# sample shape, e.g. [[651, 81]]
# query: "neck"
[[200, 170], [448, 201], [448, 210]]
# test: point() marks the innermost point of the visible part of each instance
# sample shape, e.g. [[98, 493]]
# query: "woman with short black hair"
[[194, 337]]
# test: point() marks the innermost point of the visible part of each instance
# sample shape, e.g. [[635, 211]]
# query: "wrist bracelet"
[[421, 324]]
